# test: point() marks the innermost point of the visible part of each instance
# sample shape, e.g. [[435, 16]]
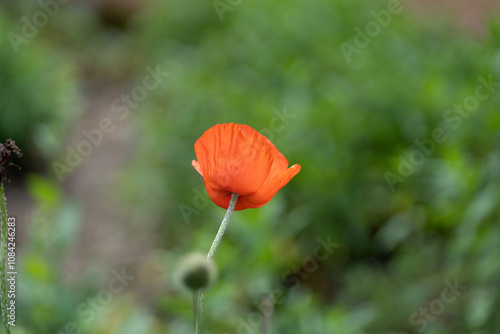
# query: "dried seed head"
[[8, 151]]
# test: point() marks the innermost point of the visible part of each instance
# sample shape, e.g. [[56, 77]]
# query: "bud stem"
[[211, 253]]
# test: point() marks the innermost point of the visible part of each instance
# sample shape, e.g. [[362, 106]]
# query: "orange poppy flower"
[[234, 158]]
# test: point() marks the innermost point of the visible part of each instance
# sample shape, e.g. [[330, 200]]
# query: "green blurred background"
[[132, 203]]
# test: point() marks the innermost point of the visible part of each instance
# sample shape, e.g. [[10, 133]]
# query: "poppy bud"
[[196, 272]]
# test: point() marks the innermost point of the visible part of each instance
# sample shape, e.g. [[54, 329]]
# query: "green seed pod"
[[195, 272]]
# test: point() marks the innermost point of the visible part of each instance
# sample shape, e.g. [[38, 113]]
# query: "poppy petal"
[[222, 199], [234, 158], [196, 166], [272, 186], [280, 163]]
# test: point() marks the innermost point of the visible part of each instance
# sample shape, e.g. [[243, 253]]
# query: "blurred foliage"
[[278, 67], [45, 299], [37, 90]]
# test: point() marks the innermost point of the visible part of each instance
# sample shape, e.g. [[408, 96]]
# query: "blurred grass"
[[348, 124]]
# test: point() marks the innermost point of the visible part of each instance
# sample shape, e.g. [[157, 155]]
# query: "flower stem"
[[211, 253], [3, 247], [223, 226]]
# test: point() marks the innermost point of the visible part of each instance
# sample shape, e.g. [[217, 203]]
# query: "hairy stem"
[[3, 249], [199, 311], [211, 253]]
